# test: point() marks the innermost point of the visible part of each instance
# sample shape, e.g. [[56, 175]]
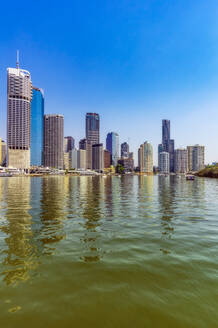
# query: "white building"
[[181, 160], [164, 166], [19, 98], [196, 157]]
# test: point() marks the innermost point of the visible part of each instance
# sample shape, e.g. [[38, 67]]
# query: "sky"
[[135, 62]]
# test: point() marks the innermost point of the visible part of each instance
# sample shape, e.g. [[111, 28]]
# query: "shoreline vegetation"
[[211, 171]]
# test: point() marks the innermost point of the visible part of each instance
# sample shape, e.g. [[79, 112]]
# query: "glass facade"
[[112, 145], [37, 122]]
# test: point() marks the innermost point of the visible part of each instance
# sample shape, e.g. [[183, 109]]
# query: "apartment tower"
[[145, 158]]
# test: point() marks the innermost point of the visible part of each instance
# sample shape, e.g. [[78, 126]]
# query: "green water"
[[108, 252]]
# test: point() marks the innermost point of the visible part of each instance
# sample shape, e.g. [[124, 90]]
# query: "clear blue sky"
[[133, 62]]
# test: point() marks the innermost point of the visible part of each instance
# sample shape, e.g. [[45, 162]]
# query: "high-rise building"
[[167, 143], [83, 144], [81, 159], [37, 127], [196, 157], [112, 144], [69, 144], [160, 150], [165, 134], [181, 160], [164, 163], [127, 163], [145, 158], [73, 159], [19, 96], [124, 150], [98, 157], [107, 159], [3, 153], [53, 140], [92, 134]]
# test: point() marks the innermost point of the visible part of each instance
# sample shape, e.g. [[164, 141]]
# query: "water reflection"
[[91, 193], [52, 213], [20, 252]]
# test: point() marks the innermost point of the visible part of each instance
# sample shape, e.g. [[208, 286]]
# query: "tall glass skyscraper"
[[167, 143], [92, 134], [37, 129], [112, 144]]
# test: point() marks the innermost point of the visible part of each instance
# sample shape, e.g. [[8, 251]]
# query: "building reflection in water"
[[91, 201], [145, 196], [166, 196], [52, 213], [20, 252]]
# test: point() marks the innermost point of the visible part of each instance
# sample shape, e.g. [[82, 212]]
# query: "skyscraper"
[[124, 150], [107, 159], [167, 143], [37, 127], [98, 157], [164, 163], [81, 159], [19, 98], [181, 160], [145, 158], [83, 144], [92, 134], [165, 134], [69, 144], [112, 144], [195, 157], [53, 140]]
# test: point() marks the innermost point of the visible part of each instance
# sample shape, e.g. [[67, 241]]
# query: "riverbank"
[[208, 172]]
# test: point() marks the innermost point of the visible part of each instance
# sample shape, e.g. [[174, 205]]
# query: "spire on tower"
[[17, 58]]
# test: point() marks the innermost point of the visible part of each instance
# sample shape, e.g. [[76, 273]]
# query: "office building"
[[145, 158], [37, 127], [83, 144], [92, 134], [73, 159], [181, 160], [98, 157], [160, 150], [19, 96], [196, 157], [124, 150], [3, 153], [127, 163], [112, 145], [54, 140], [81, 159], [164, 163], [69, 144], [107, 159]]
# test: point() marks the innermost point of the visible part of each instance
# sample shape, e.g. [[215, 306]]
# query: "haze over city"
[[133, 63]]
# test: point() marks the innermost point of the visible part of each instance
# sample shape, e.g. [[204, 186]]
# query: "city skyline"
[[144, 72]]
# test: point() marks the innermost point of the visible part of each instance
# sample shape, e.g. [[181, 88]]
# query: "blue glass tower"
[[112, 144], [37, 123]]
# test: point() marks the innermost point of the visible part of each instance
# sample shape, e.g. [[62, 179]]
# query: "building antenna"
[[17, 58]]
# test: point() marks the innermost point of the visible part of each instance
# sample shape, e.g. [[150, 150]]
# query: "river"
[[131, 251]]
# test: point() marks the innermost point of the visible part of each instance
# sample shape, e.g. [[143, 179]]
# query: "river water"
[[130, 251]]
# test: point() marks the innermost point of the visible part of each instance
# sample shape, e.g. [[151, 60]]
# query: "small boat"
[[190, 177], [5, 174]]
